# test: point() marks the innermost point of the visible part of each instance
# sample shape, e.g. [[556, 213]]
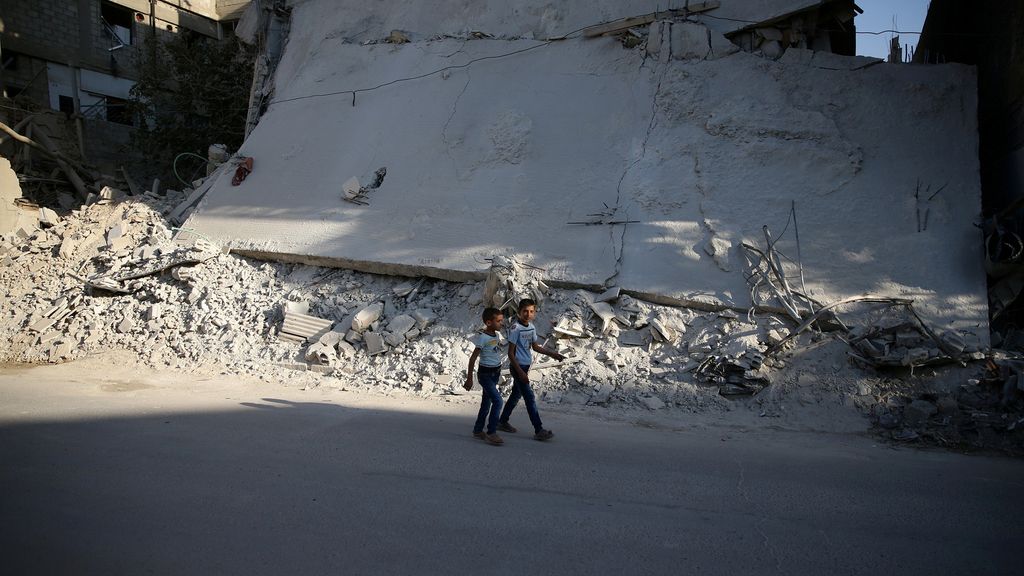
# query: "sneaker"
[[506, 427], [493, 439], [543, 435], [480, 435]]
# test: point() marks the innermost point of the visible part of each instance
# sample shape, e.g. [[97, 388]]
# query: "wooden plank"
[[626, 23]]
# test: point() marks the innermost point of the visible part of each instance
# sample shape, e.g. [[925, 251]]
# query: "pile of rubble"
[[113, 275]]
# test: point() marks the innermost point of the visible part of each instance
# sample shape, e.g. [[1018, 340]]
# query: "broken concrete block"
[[126, 326], [634, 338], [424, 316], [403, 289], [331, 338], [412, 334], [154, 312], [50, 336], [915, 356], [48, 218], [303, 326], [394, 338], [661, 332], [566, 328], [364, 319], [401, 324], [345, 349], [320, 353], [353, 336], [609, 295], [374, 343], [43, 325], [605, 312]]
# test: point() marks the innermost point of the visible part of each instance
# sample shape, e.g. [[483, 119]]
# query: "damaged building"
[[690, 191]]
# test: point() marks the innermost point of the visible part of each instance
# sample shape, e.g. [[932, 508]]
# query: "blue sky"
[[878, 15]]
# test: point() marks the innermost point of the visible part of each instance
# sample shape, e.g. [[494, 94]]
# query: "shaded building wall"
[[987, 35]]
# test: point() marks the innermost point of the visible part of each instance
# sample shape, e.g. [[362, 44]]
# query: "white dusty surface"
[[496, 157]]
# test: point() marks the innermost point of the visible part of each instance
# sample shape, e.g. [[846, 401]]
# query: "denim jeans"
[[491, 401], [522, 389]]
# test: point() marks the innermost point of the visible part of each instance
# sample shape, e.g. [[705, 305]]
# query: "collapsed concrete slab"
[[603, 165]]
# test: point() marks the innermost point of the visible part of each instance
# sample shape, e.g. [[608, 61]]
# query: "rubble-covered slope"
[[645, 167]]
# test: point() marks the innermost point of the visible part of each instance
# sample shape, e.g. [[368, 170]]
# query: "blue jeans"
[[522, 389], [491, 401]]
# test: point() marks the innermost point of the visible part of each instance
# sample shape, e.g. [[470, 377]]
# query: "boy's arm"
[[513, 364], [469, 371], [542, 350]]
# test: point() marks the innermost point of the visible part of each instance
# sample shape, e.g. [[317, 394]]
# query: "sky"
[[879, 14]]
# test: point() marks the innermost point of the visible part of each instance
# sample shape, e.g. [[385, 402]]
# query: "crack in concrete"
[[444, 130], [618, 188]]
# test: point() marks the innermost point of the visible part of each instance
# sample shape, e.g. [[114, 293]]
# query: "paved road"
[[121, 477]]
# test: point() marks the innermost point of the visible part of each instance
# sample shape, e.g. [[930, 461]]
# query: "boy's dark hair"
[[490, 313], [526, 302]]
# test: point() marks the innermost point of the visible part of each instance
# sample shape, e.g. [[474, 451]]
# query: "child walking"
[[522, 341], [489, 348]]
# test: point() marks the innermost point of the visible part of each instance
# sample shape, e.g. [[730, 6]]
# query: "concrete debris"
[[303, 327], [364, 330], [609, 295], [374, 343], [320, 353], [509, 281], [365, 318]]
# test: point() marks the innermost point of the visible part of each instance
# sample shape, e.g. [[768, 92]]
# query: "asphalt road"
[[101, 476]]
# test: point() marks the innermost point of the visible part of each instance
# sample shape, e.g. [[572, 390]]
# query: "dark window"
[[117, 111], [11, 91], [66, 104], [117, 20], [10, 59]]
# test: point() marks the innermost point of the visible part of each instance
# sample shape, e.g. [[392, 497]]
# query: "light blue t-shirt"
[[492, 348], [523, 337]]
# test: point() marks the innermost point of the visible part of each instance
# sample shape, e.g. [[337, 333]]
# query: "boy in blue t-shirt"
[[522, 340], [489, 348]]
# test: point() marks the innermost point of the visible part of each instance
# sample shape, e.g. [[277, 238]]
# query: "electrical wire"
[[355, 91], [174, 166]]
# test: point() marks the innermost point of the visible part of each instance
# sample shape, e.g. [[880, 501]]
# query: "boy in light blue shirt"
[[489, 348], [522, 341]]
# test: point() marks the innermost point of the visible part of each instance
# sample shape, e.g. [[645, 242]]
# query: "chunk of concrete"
[[401, 324], [609, 295], [364, 318], [48, 218], [424, 317], [604, 311], [394, 338], [374, 343]]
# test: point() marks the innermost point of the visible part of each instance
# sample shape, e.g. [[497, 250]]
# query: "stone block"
[[424, 317], [401, 324], [367, 316], [393, 338], [374, 343]]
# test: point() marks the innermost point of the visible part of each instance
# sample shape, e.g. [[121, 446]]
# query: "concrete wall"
[[65, 31]]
